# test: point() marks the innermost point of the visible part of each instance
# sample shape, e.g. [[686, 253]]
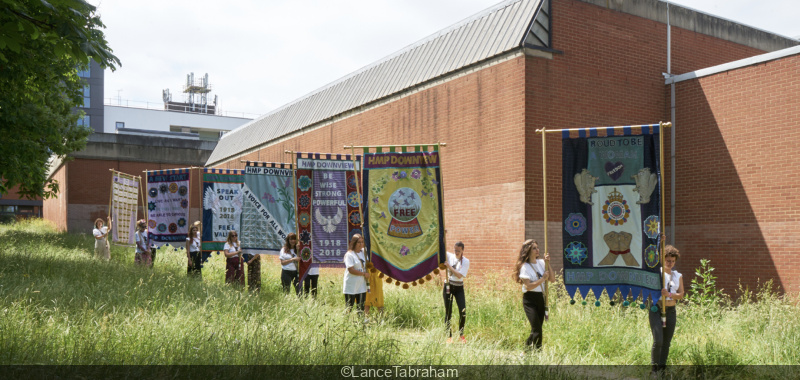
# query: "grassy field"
[[59, 305]]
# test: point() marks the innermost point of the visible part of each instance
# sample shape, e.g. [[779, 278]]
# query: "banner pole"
[[296, 209], [110, 200], [544, 194], [661, 126]]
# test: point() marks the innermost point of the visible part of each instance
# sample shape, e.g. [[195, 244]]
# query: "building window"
[[120, 124], [87, 97], [84, 121], [85, 73]]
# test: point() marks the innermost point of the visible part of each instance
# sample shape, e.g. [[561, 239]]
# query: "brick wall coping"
[[734, 65]]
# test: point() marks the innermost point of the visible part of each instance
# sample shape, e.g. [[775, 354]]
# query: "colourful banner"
[[222, 206], [168, 206], [403, 212], [327, 200], [268, 213], [124, 207], [611, 211]]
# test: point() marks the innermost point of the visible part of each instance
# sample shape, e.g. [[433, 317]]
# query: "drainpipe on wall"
[[672, 133]]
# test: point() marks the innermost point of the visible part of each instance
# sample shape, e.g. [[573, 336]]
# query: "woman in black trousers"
[[530, 271]]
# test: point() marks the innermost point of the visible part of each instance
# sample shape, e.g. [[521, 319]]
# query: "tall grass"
[[59, 305]]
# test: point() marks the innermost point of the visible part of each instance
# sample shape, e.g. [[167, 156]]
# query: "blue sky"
[[262, 54]]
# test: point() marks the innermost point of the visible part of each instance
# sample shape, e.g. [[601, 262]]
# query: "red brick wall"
[[480, 117], [736, 149], [55, 208], [609, 74]]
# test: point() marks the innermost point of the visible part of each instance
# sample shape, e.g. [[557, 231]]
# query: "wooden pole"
[[616, 127], [544, 187], [661, 126], [442, 145]]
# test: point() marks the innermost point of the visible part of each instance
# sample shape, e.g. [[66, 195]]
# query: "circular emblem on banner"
[[162, 228], [305, 237], [181, 222], [305, 254], [575, 224], [163, 188], [355, 217], [651, 256], [576, 252], [616, 210], [173, 228], [352, 199], [184, 203], [182, 191], [173, 187], [651, 227], [304, 218], [151, 223], [304, 201], [304, 183], [153, 192], [353, 232], [151, 206], [351, 182], [404, 207]]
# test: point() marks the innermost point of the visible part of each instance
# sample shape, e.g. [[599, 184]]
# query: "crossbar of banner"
[[390, 146], [268, 163], [616, 127]]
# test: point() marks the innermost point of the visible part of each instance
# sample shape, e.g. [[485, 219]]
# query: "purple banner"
[[329, 219]]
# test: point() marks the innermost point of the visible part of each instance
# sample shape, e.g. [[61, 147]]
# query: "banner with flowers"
[[403, 212], [327, 204], [222, 206], [168, 206], [268, 213], [611, 210]]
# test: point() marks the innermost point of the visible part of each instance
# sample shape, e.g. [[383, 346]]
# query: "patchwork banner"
[[327, 203], [222, 206], [611, 211], [124, 207], [168, 206], [268, 213], [403, 212]]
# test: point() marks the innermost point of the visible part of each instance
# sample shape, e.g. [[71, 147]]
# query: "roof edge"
[[771, 56]]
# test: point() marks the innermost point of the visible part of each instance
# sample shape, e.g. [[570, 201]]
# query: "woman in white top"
[[457, 267], [193, 251], [289, 265], [101, 249], [672, 291], [234, 269], [143, 256], [311, 281], [355, 274], [530, 271]]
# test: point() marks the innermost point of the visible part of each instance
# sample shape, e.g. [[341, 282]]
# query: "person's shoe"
[[463, 340], [449, 340]]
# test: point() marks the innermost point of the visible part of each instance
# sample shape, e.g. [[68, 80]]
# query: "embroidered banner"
[[403, 212], [168, 206], [327, 200], [611, 210], [268, 213], [124, 207], [222, 206]]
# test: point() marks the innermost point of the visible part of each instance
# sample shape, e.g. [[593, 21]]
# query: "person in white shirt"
[[457, 267], [101, 248], [311, 281], [142, 256], [234, 269], [672, 291], [193, 254], [531, 272], [355, 274], [289, 265]]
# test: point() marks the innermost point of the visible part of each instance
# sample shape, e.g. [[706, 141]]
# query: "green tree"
[[42, 46]]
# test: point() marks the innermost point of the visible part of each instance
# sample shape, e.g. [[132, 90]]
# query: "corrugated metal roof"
[[487, 34]]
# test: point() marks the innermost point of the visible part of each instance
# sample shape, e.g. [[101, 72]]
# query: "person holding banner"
[[355, 274], [142, 256], [254, 273], [311, 281], [101, 248], [374, 296], [289, 260], [234, 271], [672, 291], [457, 267], [530, 271], [193, 251]]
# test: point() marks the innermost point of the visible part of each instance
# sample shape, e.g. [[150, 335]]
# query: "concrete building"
[[134, 120], [486, 84]]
